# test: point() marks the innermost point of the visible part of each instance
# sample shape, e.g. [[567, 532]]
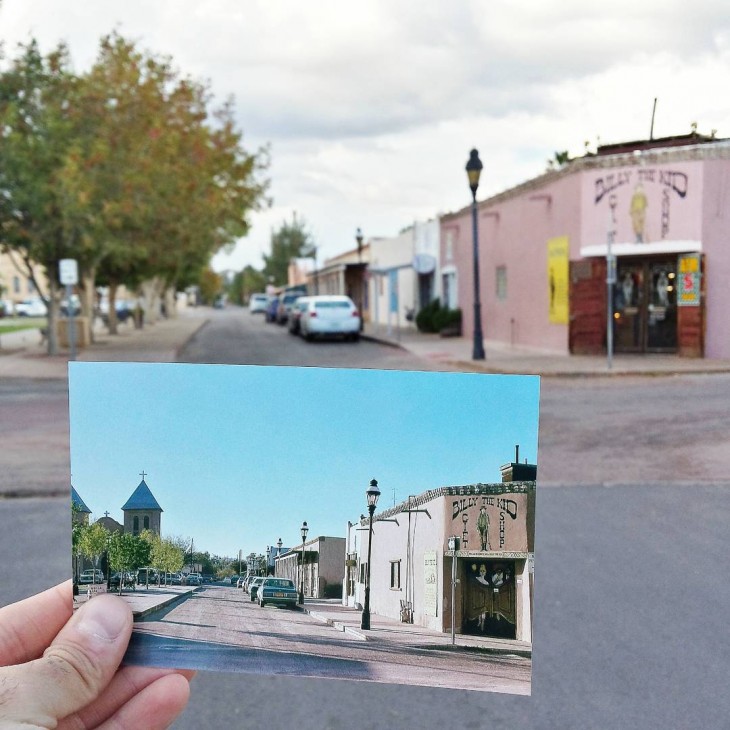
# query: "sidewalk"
[[22, 355], [347, 619], [503, 358], [145, 601]]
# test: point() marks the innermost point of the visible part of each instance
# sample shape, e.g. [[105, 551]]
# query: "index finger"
[[29, 626]]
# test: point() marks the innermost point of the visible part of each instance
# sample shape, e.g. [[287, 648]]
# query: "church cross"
[[143, 474], [106, 514]]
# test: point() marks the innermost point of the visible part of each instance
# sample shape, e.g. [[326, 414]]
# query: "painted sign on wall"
[[557, 262], [489, 523], [642, 204], [431, 583]]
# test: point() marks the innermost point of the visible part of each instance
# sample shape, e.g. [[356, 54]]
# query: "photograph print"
[[363, 525]]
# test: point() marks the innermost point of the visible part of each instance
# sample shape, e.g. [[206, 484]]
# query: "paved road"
[[219, 627], [630, 620]]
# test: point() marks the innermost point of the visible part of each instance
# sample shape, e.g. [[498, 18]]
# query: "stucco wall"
[[716, 245], [513, 233]]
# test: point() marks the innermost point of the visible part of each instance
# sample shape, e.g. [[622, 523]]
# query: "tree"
[[211, 285], [92, 541], [127, 552], [290, 241], [245, 283], [36, 123]]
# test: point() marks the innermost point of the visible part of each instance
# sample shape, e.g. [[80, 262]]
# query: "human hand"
[[61, 670]]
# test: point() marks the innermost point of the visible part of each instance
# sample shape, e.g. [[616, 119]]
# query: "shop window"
[[501, 282], [395, 575]]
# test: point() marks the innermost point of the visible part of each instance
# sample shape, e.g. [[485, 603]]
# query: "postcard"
[[363, 525]]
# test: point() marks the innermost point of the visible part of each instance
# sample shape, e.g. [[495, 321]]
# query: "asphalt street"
[[632, 513]]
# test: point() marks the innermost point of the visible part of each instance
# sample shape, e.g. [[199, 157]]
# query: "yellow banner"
[[558, 254]]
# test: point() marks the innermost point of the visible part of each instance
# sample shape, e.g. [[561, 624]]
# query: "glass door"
[[661, 330], [628, 307]]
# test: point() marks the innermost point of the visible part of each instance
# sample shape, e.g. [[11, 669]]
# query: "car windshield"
[[279, 583]]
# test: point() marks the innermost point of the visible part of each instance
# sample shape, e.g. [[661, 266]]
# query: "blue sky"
[[238, 456]]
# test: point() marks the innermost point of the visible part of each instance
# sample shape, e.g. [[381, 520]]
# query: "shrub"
[[425, 318]]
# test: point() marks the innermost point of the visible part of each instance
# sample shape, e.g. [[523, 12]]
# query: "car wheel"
[[309, 337], [262, 604], [356, 337]]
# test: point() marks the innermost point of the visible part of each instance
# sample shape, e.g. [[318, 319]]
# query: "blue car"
[[277, 592]]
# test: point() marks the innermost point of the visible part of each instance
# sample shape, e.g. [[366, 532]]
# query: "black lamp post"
[[359, 239], [304, 531], [473, 170], [372, 495]]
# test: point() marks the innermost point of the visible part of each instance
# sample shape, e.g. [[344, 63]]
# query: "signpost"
[[68, 275]]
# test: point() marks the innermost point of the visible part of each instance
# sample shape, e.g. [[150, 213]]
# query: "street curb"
[[506, 651], [183, 345], [382, 341], [158, 606], [336, 624]]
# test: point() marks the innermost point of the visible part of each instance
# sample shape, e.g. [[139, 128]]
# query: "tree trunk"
[[52, 306], [112, 316], [88, 299]]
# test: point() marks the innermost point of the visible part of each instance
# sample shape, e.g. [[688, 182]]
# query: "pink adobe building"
[[660, 207]]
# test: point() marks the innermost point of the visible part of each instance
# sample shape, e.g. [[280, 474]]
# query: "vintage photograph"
[[366, 525]]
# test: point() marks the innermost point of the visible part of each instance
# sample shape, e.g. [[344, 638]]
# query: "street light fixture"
[[304, 531], [473, 171], [359, 239], [268, 558], [372, 495]]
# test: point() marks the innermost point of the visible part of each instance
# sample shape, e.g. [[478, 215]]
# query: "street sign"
[[68, 272]]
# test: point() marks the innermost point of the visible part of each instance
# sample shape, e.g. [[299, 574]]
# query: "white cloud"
[[371, 108]]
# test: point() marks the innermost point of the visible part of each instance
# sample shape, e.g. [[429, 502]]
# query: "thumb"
[[76, 667]]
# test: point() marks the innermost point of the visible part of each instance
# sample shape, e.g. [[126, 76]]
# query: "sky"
[[370, 109], [239, 456]]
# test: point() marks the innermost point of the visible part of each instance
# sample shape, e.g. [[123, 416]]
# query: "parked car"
[[74, 306], [271, 309], [234, 579], [146, 575], [330, 315], [30, 308], [253, 586], [193, 579], [240, 581], [127, 579], [257, 303], [278, 592], [123, 307], [176, 579], [247, 583], [295, 314], [286, 302], [91, 576]]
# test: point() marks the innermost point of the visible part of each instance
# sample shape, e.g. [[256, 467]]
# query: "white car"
[[258, 303], [329, 315], [30, 308]]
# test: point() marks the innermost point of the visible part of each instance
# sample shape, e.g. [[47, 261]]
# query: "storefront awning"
[[641, 249]]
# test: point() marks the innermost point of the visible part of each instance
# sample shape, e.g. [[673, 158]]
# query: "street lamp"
[[268, 558], [473, 170], [304, 531], [359, 239], [372, 495]]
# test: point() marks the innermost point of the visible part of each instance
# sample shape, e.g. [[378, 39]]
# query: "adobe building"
[[324, 566], [411, 571], [658, 209]]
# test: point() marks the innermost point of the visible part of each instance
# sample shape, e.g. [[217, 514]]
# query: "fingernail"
[[106, 617]]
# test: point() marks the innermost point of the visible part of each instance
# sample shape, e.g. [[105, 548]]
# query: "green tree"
[[290, 241], [92, 541], [211, 285], [37, 129], [127, 552], [245, 283]]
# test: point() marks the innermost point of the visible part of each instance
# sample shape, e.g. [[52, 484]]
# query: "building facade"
[[323, 566], [657, 210], [412, 560], [142, 511]]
